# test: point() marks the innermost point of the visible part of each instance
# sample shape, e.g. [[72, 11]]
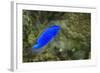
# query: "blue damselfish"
[[46, 36]]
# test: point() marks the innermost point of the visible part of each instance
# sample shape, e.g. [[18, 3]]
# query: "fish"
[[45, 37]]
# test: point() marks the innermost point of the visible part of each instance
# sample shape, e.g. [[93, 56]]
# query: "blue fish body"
[[46, 36]]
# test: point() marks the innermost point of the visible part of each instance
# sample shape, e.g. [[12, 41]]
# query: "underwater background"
[[72, 43]]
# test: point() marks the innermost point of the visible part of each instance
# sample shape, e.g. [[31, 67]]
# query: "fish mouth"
[[56, 27]]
